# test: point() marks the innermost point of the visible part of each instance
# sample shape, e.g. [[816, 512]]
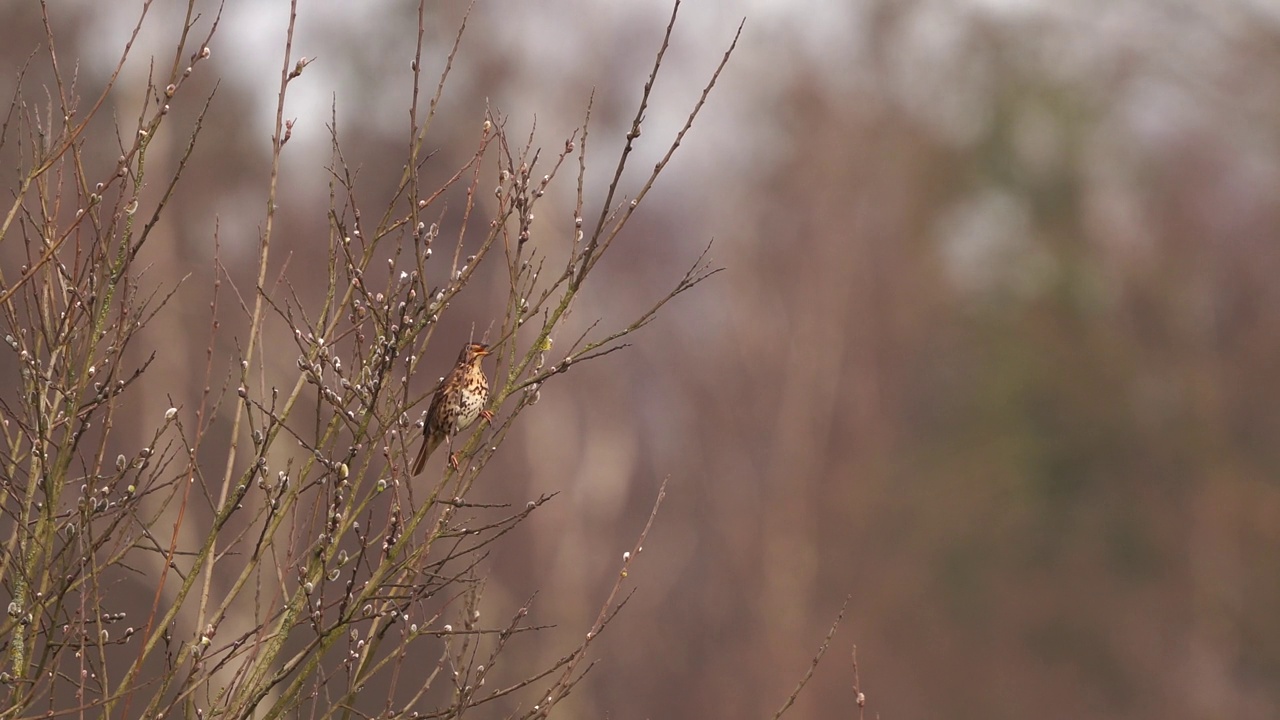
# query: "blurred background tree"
[[996, 352]]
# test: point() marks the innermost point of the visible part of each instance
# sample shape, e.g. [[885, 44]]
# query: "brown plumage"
[[456, 404]]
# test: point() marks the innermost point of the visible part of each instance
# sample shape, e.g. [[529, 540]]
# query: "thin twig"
[[813, 664]]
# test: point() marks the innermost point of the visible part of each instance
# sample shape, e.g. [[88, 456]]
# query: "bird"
[[457, 403]]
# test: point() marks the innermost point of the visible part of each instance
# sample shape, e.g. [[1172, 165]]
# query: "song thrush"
[[456, 404]]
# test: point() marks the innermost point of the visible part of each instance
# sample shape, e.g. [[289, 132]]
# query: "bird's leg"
[[488, 417], [453, 457]]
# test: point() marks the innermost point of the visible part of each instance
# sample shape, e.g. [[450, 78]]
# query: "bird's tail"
[[429, 445]]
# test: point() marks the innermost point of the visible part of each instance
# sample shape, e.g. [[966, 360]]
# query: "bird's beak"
[[484, 352]]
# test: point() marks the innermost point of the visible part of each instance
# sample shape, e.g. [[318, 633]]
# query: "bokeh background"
[[996, 353]]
